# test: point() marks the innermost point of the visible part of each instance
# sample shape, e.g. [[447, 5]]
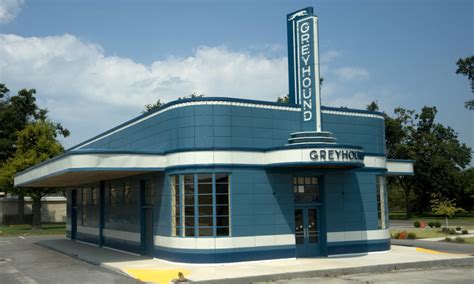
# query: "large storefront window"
[[175, 207], [381, 192], [200, 205], [306, 189]]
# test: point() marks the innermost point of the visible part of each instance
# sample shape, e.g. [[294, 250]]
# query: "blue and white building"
[[213, 180]]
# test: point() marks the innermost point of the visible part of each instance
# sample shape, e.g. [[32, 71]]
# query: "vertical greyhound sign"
[[303, 67]]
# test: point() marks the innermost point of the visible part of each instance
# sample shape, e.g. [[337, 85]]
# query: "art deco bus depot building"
[[212, 180]]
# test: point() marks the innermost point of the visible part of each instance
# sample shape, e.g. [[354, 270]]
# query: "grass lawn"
[[465, 217], [25, 230], [469, 241], [422, 233]]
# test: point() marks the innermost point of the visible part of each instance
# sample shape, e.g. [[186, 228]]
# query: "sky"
[[95, 64]]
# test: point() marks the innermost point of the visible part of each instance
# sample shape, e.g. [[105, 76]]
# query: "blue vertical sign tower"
[[303, 67]]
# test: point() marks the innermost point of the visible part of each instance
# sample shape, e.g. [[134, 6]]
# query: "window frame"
[[181, 230], [304, 184]]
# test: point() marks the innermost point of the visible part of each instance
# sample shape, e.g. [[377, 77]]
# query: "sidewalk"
[[155, 270]]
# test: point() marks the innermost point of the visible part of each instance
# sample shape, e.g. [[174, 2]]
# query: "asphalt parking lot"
[[461, 275], [22, 261]]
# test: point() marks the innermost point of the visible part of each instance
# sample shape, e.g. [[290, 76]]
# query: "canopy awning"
[[80, 167]]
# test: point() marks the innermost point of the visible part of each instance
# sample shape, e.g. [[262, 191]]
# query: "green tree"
[[192, 96], [439, 156], [443, 206], [36, 143], [151, 107], [466, 68], [15, 114], [465, 196], [283, 100]]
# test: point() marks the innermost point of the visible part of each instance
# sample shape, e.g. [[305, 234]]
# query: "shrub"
[[459, 240], [458, 228], [403, 235], [416, 224], [465, 232], [396, 236], [411, 236], [452, 231], [447, 239], [437, 224], [431, 224]]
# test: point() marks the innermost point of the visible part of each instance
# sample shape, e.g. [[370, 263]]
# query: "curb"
[[468, 261]]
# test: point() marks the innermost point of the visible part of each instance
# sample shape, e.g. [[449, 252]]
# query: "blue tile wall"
[[352, 195], [207, 126]]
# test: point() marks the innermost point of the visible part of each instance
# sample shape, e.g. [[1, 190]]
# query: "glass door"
[[307, 231]]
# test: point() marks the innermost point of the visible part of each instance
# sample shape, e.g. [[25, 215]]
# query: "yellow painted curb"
[[162, 276], [428, 251], [436, 252]]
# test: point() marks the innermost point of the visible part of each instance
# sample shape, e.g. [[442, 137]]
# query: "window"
[[306, 189], [199, 209], [381, 189], [188, 212], [205, 210], [127, 193], [93, 195], [84, 206], [148, 194], [222, 205], [175, 207], [112, 195]]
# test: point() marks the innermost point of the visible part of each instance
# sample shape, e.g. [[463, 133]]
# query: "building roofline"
[[216, 99]]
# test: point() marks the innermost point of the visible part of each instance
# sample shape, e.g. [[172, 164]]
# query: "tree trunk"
[[36, 213], [21, 209]]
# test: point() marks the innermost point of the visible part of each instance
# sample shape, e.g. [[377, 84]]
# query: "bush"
[[396, 236], [465, 232], [431, 224], [437, 224], [458, 228], [411, 236], [452, 231], [447, 239], [459, 240], [403, 235], [416, 224]]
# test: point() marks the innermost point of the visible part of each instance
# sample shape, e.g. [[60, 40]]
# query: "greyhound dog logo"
[[298, 14]]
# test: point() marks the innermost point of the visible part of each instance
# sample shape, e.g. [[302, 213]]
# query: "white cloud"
[[9, 9], [89, 91], [352, 73], [330, 56]]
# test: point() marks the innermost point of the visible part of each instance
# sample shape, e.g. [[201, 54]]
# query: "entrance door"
[[73, 214], [307, 231], [146, 208]]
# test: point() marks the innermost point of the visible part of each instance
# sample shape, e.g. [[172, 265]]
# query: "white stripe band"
[[192, 158]]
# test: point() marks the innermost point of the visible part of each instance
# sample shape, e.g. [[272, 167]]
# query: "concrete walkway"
[[155, 270]]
